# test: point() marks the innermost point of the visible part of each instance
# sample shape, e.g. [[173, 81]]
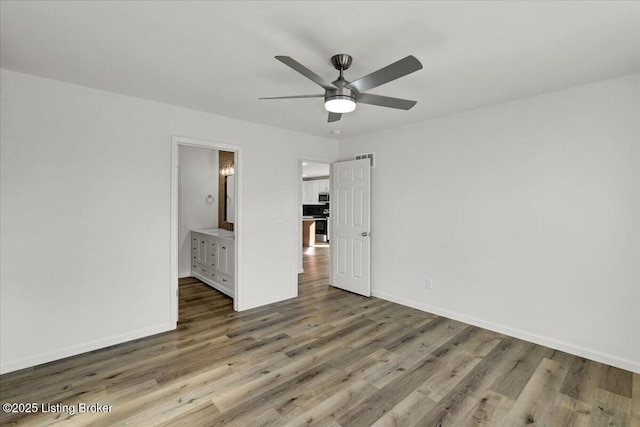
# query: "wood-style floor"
[[326, 358]]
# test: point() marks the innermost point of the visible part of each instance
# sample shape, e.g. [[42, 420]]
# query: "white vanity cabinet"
[[213, 259]]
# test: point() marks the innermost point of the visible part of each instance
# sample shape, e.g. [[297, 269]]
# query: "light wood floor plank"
[[635, 402], [535, 403], [408, 412], [326, 412]]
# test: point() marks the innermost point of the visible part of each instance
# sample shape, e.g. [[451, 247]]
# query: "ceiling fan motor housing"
[[342, 93], [341, 61]]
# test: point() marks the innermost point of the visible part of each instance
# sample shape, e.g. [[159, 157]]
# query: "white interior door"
[[350, 226]]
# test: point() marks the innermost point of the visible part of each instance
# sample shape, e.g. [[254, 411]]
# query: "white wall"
[[85, 214], [526, 216], [198, 178]]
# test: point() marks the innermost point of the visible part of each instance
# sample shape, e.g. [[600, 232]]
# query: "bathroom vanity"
[[213, 258]]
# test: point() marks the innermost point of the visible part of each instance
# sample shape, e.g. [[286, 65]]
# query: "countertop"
[[220, 233]]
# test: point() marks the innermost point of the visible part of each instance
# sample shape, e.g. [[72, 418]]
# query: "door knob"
[[364, 234]]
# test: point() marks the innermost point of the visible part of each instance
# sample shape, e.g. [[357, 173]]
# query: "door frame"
[[298, 207], [177, 141]]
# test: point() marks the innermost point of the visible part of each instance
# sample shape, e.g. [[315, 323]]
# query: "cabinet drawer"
[[225, 281], [201, 269]]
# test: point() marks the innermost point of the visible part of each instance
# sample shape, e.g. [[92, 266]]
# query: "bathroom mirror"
[[229, 199]]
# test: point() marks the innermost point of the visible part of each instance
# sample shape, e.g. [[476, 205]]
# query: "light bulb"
[[340, 104]]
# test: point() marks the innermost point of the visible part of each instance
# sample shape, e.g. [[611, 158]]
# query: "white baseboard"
[[597, 356], [82, 348], [212, 284], [248, 305]]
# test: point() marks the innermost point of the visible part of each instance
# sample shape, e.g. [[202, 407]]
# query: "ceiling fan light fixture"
[[340, 104], [341, 96]]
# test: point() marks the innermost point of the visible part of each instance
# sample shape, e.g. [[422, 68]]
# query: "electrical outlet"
[[428, 283]]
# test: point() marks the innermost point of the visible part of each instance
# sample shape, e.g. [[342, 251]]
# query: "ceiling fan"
[[341, 95]]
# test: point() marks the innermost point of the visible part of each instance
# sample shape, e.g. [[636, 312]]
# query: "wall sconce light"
[[227, 170]]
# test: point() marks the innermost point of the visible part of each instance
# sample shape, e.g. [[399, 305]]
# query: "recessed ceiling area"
[[218, 56]]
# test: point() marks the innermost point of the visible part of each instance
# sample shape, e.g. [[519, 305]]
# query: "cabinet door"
[[202, 249], [308, 192], [226, 258], [305, 193], [199, 249], [222, 257], [324, 185]]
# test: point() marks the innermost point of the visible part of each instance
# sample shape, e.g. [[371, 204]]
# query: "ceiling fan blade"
[[334, 117], [294, 96], [384, 75], [305, 71], [386, 101]]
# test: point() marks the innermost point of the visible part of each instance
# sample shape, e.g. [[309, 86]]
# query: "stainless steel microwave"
[[323, 197]]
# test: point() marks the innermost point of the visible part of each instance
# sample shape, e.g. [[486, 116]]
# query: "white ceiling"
[[218, 56]]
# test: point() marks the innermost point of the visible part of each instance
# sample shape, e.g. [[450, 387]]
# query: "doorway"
[[233, 203], [314, 230]]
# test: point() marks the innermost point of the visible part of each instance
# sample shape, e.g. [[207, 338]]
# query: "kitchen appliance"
[[323, 197], [322, 229], [315, 211], [320, 213]]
